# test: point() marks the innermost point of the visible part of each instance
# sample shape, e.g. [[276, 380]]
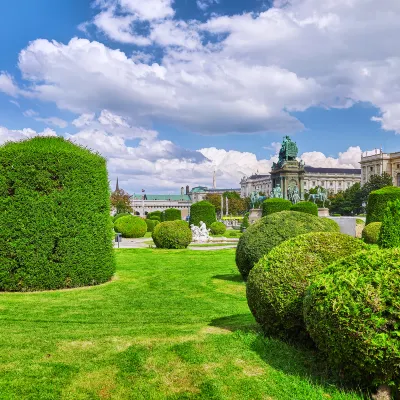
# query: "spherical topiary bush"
[[172, 235], [55, 225], [351, 311], [277, 283], [370, 233], [306, 207], [172, 214], [150, 224], [202, 211], [156, 215], [233, 234], [271, 206], [218, 228], [332, 226], [378, 201], [272, 230], [131, 227], [117, 216]]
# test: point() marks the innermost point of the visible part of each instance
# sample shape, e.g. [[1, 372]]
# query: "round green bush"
[[172, 214], [218, 228], [117, 216], [156, 215], [306, 207], [370, 233], [202, 211], [378, 201], [150, 224], [351, 311], [131, 227], [271, 206], [277, 283], [55, 225], [155, 218], [172, 235], [233, 234], [272, 230], [389, 235]]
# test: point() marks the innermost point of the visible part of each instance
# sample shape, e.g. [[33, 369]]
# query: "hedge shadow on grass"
[[229, 277], [237, 322]]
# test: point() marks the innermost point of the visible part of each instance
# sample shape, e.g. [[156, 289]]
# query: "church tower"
[[117, 186]]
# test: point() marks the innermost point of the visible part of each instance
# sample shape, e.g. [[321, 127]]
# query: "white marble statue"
[[200, 233]]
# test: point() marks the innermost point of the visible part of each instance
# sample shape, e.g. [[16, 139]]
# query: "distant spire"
[[117, 186]]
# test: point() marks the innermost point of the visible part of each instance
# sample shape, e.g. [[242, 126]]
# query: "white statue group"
[[200, 233]]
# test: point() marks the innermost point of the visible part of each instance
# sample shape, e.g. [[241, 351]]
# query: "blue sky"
[[158, 82]]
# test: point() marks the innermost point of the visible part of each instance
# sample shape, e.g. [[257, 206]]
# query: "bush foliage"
[[277, 283], [117, 216], [218, 228], [172, 214], [156, 215], [151, 224], [389, 234], [131, 227], [172, 235], [378, 201], [55, 225], [352, 313], [268, 232], [370, 233], [202, 211], [271, 206], [306, 207]]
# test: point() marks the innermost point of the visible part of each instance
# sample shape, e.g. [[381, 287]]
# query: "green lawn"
[[172, 325]]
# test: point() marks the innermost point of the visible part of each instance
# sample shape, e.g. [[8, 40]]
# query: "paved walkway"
[[143, 243]]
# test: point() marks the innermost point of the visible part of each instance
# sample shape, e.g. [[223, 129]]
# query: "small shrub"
[[202, 211], [360, 221], [131, 227], [370, 233], [233, 234], [172, 235], [389, 235], [271, 206], [150, 224], [119, 216], [351, 311], [155, 218], [245, 223], [277, 284], [218, 228], [272, 230], [306, 207], [172, 214], [378, 201], [156, 215]]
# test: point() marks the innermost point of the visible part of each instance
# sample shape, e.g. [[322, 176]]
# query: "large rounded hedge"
[[131, 227], [389, 235], [202, 211], [218, 228], [370, 233], [277, 283], [271, 206], [172, 235], [352, 313], [261, 237], [378, 201], [172, 214], [55, 225], [306, 207]]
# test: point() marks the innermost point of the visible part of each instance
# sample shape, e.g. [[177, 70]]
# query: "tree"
[[121, 201], [375, 182], [215, 200], [348, 202]]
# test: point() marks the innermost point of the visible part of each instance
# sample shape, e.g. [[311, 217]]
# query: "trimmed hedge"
[[172, 214], [117, 216], [131, 227], [202, 211], [151, 224], [272, 230], [172, 235], [55, 225], [352, 313], [245, 223], [378, 201], [271, 206], [276, 285], [218, 228], [370, 233], [389, 235], [156, 215], [306, 207]]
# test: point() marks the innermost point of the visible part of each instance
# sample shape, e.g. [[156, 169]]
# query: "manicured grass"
[[172, 325], [214, 244]]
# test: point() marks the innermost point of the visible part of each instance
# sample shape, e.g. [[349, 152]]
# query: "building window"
[[313, 183], [371, 168], [331, 183]]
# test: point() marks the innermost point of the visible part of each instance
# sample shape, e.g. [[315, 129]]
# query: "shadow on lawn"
[[229, 277], [238, 322]]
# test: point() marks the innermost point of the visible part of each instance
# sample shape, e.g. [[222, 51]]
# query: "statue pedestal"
[[255, 215], [323, 212]]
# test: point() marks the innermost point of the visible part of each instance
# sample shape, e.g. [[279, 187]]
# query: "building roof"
[[222, 190], [256, 176], [347, 171], [163, 197]]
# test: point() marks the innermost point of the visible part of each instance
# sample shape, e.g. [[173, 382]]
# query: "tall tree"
[[121, 201], [376, 182]]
